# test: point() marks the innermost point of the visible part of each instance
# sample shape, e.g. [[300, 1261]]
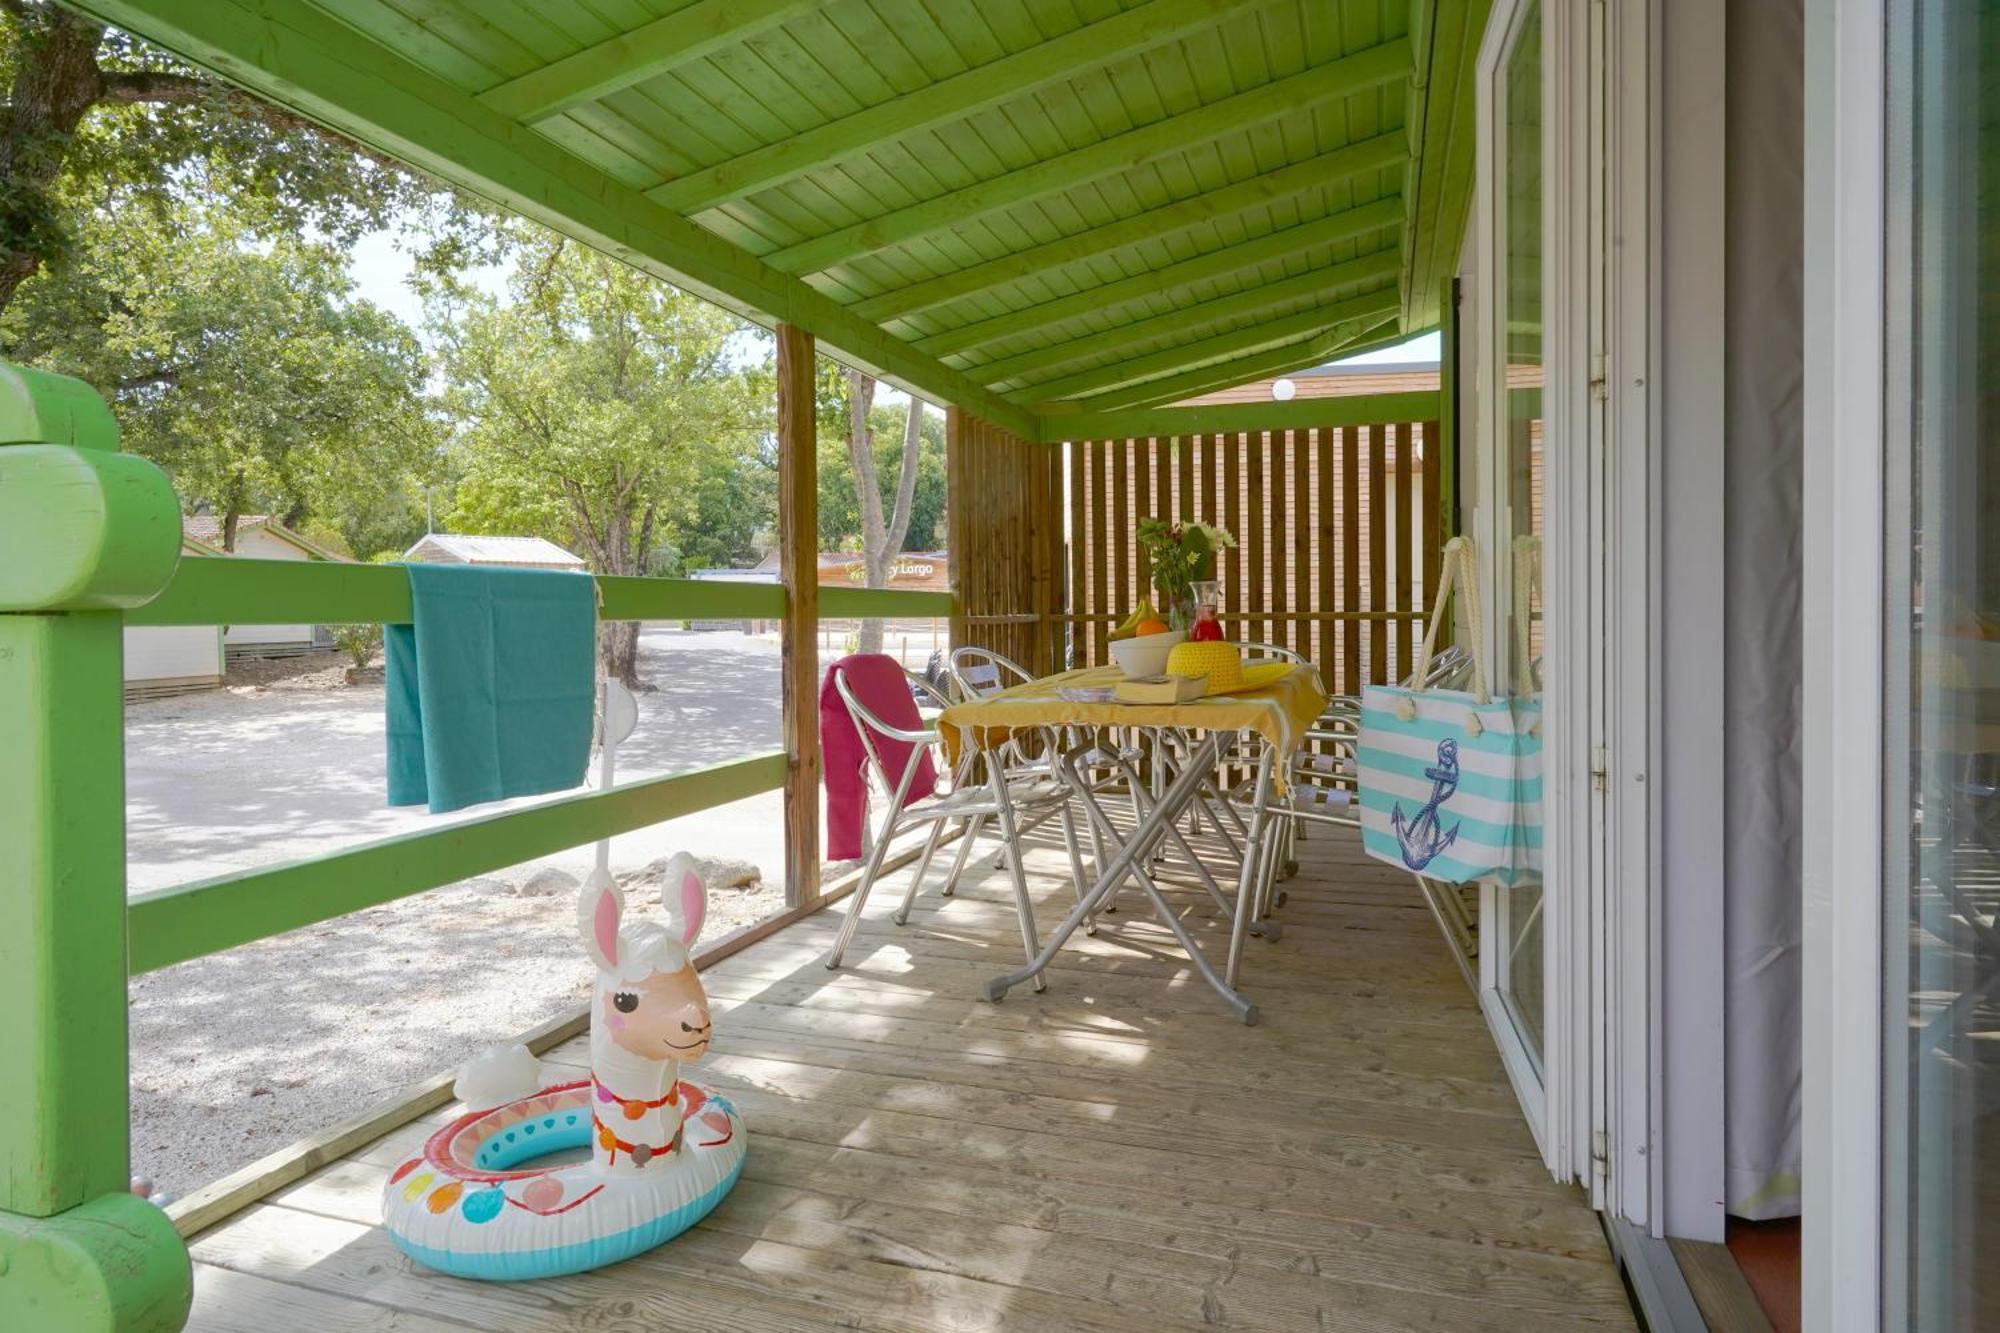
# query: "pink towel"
[[877, 681]]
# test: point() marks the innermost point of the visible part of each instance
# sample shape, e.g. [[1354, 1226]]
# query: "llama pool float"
[[663, 1151]]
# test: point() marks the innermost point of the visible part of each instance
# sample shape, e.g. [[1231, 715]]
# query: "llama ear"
[[683, 878], [598, 909], [694, 905]]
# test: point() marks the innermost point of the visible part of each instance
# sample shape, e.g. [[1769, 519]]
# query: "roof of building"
[[484, 550], [1114, 205], [1335, 381], [207, 529]]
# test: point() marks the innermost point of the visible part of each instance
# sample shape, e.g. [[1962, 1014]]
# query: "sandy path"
[[240, 1053]]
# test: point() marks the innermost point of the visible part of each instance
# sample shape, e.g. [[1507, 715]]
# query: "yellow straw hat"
[[1221, 663]]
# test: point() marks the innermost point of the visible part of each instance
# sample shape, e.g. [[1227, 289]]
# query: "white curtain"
[[1763, 223]]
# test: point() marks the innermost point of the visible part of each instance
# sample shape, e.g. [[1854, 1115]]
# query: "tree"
[[884, 523], [96, 121], [591, 405], [243, 366], [840, 502]]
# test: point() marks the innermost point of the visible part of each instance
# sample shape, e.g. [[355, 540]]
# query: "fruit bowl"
[[1145, 655]]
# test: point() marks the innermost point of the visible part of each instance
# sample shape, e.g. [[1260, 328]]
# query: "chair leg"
[[874, 867], [1076, 862], [966, 838], [902, 917], [1010, 838]]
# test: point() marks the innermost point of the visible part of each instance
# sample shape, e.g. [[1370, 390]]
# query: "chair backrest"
[[980, 671], [893, 728], [1271, 652], [1447, 666]]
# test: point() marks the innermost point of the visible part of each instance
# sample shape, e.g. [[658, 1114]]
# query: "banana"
[[1129, 627]]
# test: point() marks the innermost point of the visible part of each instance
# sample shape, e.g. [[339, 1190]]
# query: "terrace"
[[1060, 221]]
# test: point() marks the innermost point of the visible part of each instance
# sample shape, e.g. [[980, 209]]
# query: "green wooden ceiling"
[[1032, 208]]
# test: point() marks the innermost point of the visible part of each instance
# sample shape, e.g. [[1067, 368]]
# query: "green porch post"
[[85, 531]]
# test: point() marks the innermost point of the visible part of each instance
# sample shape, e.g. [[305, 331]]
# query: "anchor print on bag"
[[1422, 838]]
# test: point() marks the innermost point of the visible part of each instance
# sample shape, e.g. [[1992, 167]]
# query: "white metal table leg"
[[1246, 883], [1130, 861], [1010, 838]]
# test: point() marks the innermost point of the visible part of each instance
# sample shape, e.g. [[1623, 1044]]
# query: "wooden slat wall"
[[1005, 524], [1336, 529]]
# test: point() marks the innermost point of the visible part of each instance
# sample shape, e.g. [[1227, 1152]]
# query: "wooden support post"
[[957, 510], [85, 531], [798, 562]]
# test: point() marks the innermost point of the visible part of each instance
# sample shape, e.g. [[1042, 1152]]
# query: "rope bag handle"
[[1460, 566]]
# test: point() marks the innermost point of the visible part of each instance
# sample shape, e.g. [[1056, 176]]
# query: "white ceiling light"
[[1283, 390]]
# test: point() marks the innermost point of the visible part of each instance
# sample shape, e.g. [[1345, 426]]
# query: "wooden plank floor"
[[1116, 1153]]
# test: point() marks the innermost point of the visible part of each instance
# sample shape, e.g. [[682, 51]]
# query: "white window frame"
[[1560, 1094], [1843, 590]]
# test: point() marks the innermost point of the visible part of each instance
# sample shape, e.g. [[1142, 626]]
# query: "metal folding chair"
[[1003, 794]]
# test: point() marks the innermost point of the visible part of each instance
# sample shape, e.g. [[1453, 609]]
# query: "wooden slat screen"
[[1336, 530], [1005, 526]]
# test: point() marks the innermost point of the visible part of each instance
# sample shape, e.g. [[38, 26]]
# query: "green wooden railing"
[[89, 544]]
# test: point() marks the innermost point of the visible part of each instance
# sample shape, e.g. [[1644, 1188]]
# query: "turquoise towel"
[[492, 690]]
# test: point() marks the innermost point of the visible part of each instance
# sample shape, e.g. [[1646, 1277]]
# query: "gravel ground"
[[238, 1054]]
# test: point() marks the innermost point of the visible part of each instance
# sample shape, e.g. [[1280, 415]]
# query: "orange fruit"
[[1150, 627]]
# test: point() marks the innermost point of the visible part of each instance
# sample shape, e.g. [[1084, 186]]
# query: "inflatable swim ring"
[[662, 1151], [468, 1206]]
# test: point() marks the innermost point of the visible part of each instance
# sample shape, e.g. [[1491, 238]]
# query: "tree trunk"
[[55, 82], [867, 494], [880, 553], [618, 640], [232, 514], [618, 650]]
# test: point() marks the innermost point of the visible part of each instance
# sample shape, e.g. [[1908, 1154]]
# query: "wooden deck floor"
[[1116, 1153]]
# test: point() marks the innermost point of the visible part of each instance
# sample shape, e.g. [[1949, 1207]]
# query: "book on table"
[[1161, 689]]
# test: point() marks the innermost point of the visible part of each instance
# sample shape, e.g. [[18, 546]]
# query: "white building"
[[174, 659], [451, 548], [261, 537]]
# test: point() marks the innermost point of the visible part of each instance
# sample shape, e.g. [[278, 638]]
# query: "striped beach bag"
[[1451, 784]]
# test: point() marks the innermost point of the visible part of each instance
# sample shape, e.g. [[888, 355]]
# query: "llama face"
[[649, 998], [663, 1017]]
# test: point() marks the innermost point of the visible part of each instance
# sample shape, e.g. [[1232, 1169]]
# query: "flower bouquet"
[[1183, 554]]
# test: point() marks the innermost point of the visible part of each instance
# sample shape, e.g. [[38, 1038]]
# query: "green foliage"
[[325, 536], [243, 366], [1181, 553], [100, 124], [359, 642], [604, 410], [246, 370], [839, 504]]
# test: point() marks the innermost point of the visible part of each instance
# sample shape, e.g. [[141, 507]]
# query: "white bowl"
[[1145, 655]]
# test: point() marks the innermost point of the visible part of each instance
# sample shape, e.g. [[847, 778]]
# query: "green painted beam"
[[1300, 178], [212, 591], [304, 59], [1349, 340], [1346, 77], [169, 926], [1276, 245], [1039, 66], [1191, 355], [1299, 414], [1321, 282], [836, 602], [1441, 119], [680, 38], [233, 591]]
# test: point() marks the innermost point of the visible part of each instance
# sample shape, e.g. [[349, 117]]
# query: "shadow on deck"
[[1116, 1153]]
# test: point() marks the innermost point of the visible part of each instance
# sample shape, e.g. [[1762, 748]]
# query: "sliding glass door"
[[1507, 517], [1941, 687]]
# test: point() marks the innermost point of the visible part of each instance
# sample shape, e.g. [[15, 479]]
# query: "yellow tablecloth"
[[1279, 712]]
